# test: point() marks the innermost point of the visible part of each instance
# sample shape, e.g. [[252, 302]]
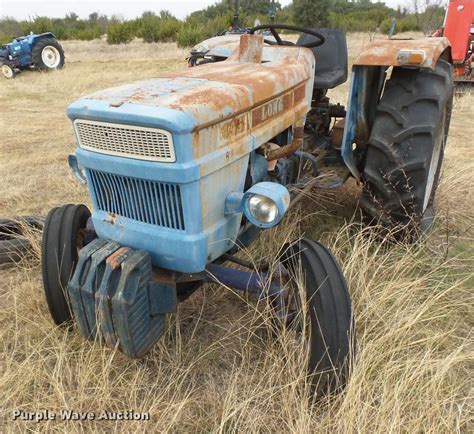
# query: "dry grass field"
[[219, 368]]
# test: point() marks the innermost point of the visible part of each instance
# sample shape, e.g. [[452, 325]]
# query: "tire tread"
[[407, 121]]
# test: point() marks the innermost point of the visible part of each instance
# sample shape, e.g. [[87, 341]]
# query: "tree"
[[311, 13], [166, 15], [429, 14], [9, 29], [71, 17], [258, 7]]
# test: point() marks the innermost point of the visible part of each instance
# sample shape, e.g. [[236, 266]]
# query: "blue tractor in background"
[[43, 52]]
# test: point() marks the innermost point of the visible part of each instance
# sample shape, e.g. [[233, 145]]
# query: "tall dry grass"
[[220, 367]]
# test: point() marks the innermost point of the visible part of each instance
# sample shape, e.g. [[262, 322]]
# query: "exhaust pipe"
[[286, 151]]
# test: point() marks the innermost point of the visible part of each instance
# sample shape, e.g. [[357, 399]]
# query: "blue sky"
[[22, 9]]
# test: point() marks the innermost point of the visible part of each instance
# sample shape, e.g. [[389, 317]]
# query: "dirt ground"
[[219, 368]]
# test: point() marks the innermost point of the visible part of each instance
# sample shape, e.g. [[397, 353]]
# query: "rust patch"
[[219, 102], [262, 79], [299, 94], [288, 100], [337, 132], [250, 48], [115, 259], [138, 96], [223, 90], [234, 127], [112, 219]]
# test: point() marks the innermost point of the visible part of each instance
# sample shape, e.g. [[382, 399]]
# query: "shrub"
[[311, 13], [135, 27], [168, 30], [59, 29], [405, 24], [86, 34], [39, 25], [9, 29], [119, 33], [190, 35], [150, 27], [219, 24], [6, 39], [385, 26]]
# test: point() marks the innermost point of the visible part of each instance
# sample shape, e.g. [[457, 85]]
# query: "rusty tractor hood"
[[205, 95]]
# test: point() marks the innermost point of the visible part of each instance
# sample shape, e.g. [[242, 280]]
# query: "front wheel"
[[319, 298], [406, 149], [8, 71], [64, 234]]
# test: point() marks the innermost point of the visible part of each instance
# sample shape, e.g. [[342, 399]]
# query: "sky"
[[23, 9]]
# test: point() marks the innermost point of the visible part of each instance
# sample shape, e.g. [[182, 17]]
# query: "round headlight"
[[263, 209]]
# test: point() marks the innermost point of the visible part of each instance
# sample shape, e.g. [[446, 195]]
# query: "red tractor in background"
[[459, 29]]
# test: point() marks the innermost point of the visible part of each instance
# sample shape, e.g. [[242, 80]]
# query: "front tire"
[[329, 314], [406, 149], [48, 54], [63, 237], [8, 71]]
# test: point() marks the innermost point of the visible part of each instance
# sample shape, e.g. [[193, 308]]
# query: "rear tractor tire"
[[64, 234], [48, 54], [406, 149], [327, 314]]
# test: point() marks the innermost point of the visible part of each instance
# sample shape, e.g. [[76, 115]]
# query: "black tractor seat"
[[331, 58]]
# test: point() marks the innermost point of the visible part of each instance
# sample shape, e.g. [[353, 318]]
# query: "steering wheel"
[[273, 29]]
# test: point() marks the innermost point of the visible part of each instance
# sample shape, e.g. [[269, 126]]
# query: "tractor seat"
[[331, 58]]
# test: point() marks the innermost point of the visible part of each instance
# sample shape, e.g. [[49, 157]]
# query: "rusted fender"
[[384, 52]]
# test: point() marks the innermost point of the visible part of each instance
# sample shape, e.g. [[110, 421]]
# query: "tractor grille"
[[152, 202], [125, 140]]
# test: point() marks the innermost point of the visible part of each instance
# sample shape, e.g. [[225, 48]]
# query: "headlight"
[[264, 204], [262, 208]]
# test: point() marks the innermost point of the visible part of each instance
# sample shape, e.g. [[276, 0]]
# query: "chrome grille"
[[152, 202], [125, 140]]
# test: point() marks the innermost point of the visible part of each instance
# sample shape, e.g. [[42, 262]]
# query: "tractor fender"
[[367, 81], [33, 39], [386, 52]]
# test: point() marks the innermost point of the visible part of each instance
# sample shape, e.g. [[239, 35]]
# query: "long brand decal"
[[277, 106]]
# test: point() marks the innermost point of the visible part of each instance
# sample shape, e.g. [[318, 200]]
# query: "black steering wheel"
[[273, 29]]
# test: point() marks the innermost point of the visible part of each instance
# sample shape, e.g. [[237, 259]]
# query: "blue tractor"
[[185, 170], [42, 52]]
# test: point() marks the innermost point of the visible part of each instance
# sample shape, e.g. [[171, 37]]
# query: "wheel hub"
[[7, 71], [50, 57]]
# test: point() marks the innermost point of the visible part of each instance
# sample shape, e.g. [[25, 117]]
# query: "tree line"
[[356, 15]]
